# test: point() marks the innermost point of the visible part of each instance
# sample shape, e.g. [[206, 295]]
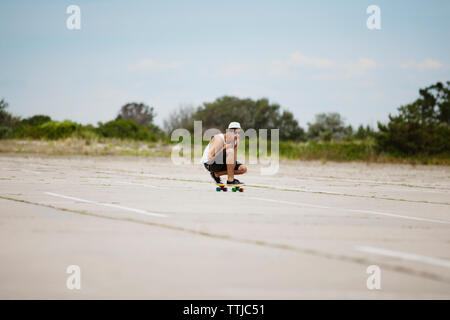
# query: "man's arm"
[[213, 148], [230, 145], [231, 154]]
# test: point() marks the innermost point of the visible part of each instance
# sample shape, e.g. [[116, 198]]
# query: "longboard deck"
[[229, 185], [234, 187]]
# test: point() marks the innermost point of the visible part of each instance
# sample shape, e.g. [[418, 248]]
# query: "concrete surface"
[[144, 228]]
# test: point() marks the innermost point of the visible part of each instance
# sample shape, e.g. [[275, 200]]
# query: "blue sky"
[[308, 56]]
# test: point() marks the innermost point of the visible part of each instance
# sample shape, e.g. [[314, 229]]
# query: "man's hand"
[[229, 138], [232, 139]]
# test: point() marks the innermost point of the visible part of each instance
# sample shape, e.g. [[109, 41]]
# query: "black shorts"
[[222, 165]]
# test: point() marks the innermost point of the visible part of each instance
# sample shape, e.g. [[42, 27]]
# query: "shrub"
[[48, 130], [35, 120], [124, 129], [56, 130]]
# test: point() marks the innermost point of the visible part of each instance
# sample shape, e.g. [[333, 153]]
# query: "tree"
[[437, 98], [328, 126], [180, 118], [6, 118], [7, 121], [255, 114], [421, 127], [4, 115], [289, 128], [364, 133], [219, 113], [140, 113]]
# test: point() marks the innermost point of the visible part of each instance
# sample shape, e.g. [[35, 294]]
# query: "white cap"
[[234, 125]]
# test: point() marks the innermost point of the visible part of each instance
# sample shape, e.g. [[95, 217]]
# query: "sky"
[[308, 56]]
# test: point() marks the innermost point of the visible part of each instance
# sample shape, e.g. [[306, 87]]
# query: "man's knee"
[[242, 169]]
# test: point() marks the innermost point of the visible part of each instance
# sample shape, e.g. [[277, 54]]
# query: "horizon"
[[310, 58]]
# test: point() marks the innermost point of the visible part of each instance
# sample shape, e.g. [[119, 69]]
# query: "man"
[[219, 157]]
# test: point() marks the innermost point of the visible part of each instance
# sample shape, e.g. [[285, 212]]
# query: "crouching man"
[[219, 157]]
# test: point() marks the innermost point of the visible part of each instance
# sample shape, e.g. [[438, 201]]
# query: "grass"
[[333, 151], [92, 147], [354, 150], [364, 150]]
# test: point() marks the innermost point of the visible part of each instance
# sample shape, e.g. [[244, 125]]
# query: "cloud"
[[317, 68], [153, 65], [322, 68], [298, 59], [359, 67], [277, 68], [427, 64], [231, 69], [325, 76]]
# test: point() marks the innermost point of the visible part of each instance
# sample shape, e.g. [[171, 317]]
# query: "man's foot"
[[234, 182], [216, 179]]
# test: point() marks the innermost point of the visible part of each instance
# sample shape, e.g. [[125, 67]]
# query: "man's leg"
[[230, 157], [241, 170]]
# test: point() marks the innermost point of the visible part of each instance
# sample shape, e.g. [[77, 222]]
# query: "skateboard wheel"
[[218, 189], [225, 189], [234, 189], [241, 190]]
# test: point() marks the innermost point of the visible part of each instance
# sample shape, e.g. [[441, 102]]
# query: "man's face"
[[234, 131]]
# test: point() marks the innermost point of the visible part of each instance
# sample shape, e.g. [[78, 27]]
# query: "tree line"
[[261, 114], [421, 127]]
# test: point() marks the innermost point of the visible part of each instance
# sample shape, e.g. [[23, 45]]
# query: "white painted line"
[[405, 256], [108, 205], [393, 215]]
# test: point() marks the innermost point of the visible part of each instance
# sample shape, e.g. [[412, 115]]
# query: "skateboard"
[[224, 187]]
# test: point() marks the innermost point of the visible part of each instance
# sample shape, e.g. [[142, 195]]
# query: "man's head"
[[234, 126]]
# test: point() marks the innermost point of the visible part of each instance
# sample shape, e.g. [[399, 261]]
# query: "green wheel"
[[234, 189], [218, 189]]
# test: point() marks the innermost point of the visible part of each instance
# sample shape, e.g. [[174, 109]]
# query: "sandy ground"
[[144, 228]]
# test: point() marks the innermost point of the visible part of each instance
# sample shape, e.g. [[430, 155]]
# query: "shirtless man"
[[219, 157]]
